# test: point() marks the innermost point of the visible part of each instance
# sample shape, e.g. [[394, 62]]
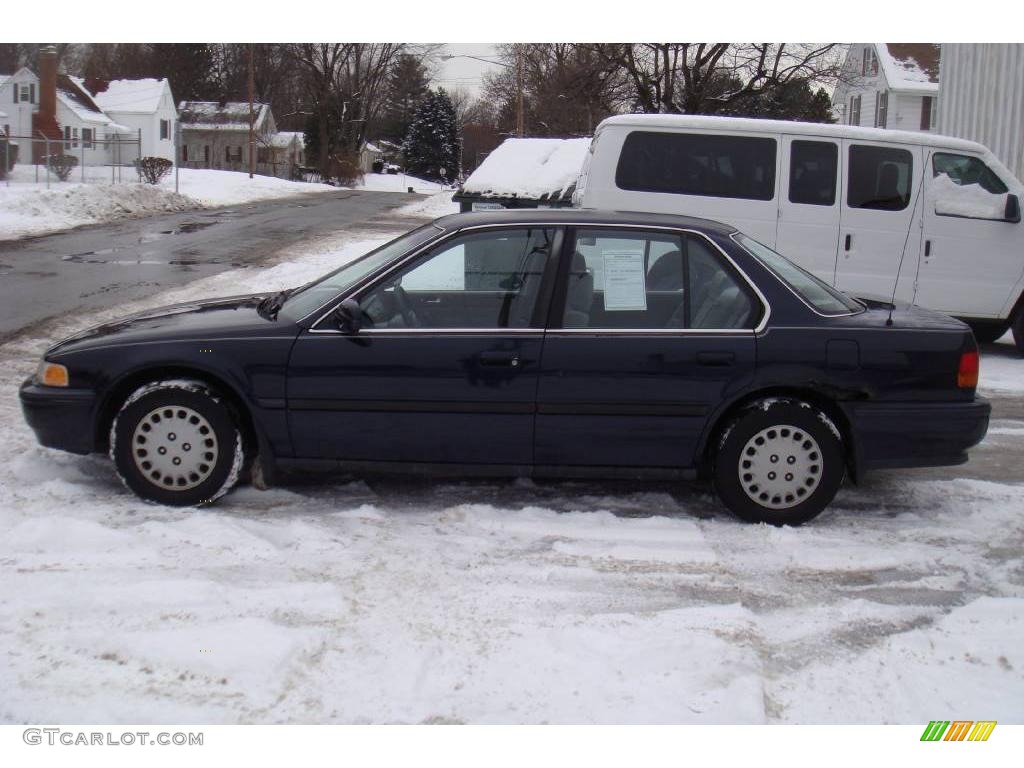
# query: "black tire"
[[794, 436], [988, 333], [207, 455], [1018, 330]]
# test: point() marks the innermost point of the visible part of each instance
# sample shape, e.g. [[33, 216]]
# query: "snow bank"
[[529, 168], [35, 210], [214, 188], [397, 182]]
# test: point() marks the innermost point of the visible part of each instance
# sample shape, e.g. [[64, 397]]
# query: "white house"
[[983, 98], [216, 135], [83, 124], [889, 85], [145, 106]]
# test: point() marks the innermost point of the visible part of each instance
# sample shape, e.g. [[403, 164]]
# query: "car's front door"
[[971, 257], [444, 366], [650, 331]]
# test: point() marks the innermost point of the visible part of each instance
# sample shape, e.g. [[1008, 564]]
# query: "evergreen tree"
[[432, 143], [408, 86]]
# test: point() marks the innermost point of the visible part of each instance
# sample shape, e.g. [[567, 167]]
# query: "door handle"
[[927, 248], [849, 240], [436, 300], [499, 359], [715, 359]]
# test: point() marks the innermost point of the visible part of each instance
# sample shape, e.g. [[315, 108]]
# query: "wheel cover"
[[780, 466], [174, 448]]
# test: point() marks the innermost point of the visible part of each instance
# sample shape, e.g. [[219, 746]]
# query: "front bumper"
[[61, 418], [893, 435]]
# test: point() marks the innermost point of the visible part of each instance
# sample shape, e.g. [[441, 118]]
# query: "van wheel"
[[1018, 330], [175, 442], [988, 333], [779, 462]]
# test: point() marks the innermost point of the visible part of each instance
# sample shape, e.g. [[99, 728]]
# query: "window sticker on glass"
[[624, 287]]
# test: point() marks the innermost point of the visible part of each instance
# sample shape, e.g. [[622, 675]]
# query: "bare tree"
[[322, 65], [705, 78]]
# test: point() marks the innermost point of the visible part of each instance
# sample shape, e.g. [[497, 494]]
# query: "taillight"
[[967, 375]]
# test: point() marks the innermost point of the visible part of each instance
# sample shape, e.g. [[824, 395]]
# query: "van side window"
[[634, 280], [880, 178], [964, 170], [813, 169], [698, 164]]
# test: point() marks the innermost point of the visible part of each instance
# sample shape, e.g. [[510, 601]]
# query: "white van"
[[849, 204]]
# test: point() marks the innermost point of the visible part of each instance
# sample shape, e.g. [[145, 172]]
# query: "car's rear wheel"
[[987, 333], [175, 442], [779, 461], [1018, 330]]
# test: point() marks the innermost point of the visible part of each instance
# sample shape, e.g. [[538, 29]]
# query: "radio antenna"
[[906, 240]]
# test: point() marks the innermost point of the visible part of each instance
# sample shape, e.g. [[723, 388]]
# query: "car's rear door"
[[650, 330], [445, 367]]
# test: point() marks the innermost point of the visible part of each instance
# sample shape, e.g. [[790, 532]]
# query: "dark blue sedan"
[[541, 343]]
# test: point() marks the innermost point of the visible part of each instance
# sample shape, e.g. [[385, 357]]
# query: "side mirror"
[[1012, 209], [348, 316]]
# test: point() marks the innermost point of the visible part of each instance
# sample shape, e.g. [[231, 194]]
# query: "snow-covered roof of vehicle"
[[135, 96], [910, 66], [220, 116], [529, 168], [752, 125]]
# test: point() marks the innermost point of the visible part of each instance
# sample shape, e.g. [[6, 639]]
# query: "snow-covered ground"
[[413, 601], [1002, 368], [29, 208]]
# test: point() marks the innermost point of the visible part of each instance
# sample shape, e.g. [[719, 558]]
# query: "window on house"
[[927, 113], [28, 93], [855, 110], [184, 153], [868, 61], [881, 109], [165, 129], [70, 137], [87, 138], [813, 168], [698, 164], [880, 178]]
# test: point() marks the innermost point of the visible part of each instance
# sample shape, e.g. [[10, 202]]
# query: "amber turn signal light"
[[53, 375], [967, 375]]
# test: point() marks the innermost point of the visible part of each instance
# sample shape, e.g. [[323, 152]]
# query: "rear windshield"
[[823, 297]]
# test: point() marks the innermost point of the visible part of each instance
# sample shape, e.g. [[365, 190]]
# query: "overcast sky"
[[465, 73]]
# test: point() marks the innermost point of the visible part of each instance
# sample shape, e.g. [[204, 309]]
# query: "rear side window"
[[698, 164], [880, 178], [813, 169]]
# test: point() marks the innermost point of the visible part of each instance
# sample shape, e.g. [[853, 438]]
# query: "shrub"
[[345, 168], [62, 165], [10, 152], [152, 169]]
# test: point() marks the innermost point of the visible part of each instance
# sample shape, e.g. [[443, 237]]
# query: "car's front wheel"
[[176, 442], [779, 461]]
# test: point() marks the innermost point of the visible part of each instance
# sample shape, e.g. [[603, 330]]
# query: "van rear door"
[[880, 219], [808, 229]]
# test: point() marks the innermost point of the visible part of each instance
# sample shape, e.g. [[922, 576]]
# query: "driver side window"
[[487, 280]]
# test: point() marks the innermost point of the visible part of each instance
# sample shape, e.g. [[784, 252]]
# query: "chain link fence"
[[74, 159]]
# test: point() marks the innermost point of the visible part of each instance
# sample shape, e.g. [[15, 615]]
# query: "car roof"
[[570, 216]]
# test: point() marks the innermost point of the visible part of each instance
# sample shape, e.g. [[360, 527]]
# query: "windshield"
[[821, 296], [314, 295]]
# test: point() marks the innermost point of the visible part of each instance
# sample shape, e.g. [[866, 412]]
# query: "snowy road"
[[403, 601], [97, 266]]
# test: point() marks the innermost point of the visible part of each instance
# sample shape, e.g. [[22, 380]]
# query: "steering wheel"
[[405, 308]]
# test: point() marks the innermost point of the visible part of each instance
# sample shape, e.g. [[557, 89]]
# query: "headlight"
[[52, 374]]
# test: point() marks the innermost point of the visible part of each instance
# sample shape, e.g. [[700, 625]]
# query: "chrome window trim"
[[815, 310], [355, 289]]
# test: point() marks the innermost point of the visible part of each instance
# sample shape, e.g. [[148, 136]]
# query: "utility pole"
[[520, 129], [252, 117]]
